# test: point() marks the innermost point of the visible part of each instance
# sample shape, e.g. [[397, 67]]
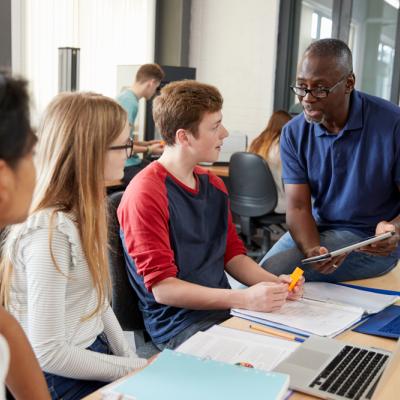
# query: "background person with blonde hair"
[[266, 144], [17, 181], [56, 272]]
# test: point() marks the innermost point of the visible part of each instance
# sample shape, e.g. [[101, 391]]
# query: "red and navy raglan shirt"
[[171, 230]]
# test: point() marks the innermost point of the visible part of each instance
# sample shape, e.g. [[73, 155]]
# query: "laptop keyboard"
[[350, 372], [392, 327]]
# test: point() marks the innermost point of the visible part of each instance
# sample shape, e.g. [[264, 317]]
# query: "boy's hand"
[[298, 290], [265, 296]]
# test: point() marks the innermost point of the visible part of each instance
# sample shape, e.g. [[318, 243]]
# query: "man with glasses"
[[341, 169]]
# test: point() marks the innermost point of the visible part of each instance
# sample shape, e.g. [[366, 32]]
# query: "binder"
[[180, 376], [326, 310], [369, 289]]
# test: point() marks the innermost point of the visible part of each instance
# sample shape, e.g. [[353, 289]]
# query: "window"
[[315, 23], [368, 26], [97, 27], [321, 27], [373, 45]]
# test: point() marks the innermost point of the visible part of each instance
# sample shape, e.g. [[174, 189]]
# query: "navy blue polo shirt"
[[353, 175]]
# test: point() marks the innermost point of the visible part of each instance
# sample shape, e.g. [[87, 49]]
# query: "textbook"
[[180, 376], [326, 310], [234, 346]]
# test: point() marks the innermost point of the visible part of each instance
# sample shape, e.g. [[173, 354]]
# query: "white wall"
[[233, 46]]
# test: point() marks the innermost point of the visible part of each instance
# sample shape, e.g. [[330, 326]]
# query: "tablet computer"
[[348, 249]]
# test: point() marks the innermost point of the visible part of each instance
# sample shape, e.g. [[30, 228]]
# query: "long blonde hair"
[[74, 135], [270, 135]]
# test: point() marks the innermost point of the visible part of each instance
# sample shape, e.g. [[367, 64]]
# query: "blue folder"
[[180, 376], [369, 289], [385, 323]]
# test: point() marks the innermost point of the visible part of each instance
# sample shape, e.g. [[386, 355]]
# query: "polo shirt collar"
[[355, 120]]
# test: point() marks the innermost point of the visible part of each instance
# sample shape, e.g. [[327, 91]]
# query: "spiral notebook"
[[180, 376]]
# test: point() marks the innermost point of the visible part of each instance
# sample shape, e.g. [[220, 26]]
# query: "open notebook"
[[234, 346], [326, 310]]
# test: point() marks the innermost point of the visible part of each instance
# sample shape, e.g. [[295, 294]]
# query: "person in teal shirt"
[[147, 80]]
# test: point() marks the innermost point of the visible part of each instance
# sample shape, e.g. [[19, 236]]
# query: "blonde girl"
[[56, 281]]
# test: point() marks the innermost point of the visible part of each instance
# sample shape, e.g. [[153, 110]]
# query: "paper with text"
[[243, 348], [314, 317], [370, 302]]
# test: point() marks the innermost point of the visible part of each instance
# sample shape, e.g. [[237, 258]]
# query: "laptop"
[[333, 369], [385, 323]]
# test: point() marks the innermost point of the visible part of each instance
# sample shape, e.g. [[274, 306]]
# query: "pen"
[[272, 332]]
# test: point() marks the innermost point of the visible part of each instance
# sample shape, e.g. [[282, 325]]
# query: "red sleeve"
[[143, 216], [234, 245]]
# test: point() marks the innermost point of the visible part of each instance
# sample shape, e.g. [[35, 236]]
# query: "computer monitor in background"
[[236, 141], [144, 124]]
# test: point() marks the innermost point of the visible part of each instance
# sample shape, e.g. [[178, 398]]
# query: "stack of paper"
[[307, 317], [180, 376], [326, 310], [370, 302], [235, 346]]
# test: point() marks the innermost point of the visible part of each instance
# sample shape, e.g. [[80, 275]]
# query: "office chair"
[[253, 197], [124, 300]]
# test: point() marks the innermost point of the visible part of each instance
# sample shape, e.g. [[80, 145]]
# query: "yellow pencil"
[[272, 332]]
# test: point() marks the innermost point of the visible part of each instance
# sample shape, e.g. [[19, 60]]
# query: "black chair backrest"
[[124, 299], [252, 189]]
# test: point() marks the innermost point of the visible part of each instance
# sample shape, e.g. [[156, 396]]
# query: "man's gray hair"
[[333, 48]]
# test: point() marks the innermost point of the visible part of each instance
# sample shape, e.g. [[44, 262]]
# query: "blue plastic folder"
[[385, 323], [180, 376], [374, 290]]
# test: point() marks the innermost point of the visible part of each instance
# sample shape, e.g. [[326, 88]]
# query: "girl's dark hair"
[[16, 135]]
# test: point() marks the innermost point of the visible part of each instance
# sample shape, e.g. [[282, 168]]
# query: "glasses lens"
[[319, 93], [298, 91]]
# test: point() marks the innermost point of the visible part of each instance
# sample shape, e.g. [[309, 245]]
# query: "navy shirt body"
[[170, 230], [353, 175]]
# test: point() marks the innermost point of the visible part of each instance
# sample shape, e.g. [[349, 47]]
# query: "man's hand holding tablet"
[[384, 247], [322, 260], [328, 261]]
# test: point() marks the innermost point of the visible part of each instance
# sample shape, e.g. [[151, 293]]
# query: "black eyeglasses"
[[128, 148], [318, 93]]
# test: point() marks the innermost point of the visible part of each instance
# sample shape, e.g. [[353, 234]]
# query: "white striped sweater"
[[51, 305]]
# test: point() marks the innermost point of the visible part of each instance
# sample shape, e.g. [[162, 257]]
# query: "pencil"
[[272, 332]]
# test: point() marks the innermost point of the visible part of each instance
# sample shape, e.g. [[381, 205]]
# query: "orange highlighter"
[[295, 275]]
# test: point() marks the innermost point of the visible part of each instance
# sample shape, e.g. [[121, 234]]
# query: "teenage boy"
[[145, 84], [177, 228]]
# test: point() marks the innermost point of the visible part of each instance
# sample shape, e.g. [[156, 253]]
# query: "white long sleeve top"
[[51, 305]]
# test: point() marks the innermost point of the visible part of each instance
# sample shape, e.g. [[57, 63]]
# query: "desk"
[[219, 170], [390, 281], [113, 183]]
